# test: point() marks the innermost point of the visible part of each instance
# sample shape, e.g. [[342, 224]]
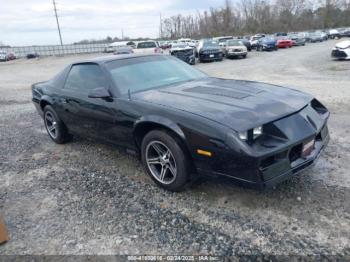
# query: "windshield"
[[224, 39], [210, 44], [234, 42], [150, 72]]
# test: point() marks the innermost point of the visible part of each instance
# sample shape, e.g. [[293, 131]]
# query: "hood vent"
[[216, 92]]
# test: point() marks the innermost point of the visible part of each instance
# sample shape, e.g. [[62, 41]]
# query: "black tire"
[[244, 56], [61, 133], [178, 154]]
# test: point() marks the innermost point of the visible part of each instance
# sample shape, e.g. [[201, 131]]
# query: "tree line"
[[258, 16]]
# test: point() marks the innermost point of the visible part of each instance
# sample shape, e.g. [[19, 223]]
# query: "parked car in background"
[[298, 39], [209, 50], [235, 48], [281, 34], [344, 32], [7, 55], [284, 42], [111, 48], [164, 44], [147, 47], [266, 44], [341, 50], [315, 37], [183, 123], [323, 35], [254, 40], [305, 35], [32, 55], [184, 52], [333, 34], [246, 42], [3, 55], [222, 42], [123, 50]]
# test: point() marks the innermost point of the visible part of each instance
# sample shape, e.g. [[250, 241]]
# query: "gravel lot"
[[89, 198]]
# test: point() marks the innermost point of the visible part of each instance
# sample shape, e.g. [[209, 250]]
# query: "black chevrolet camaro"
[[184, 123]]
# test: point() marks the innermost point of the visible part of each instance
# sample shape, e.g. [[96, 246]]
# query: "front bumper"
[[271, 164], [236, 53], [190, 59], [268, 47]]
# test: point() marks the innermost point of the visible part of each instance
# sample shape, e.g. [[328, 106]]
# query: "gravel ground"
[[89, 198]]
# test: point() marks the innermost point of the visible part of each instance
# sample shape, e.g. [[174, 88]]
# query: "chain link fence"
[[56, 50]]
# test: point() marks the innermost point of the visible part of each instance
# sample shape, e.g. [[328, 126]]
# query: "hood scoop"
[[216, 92]]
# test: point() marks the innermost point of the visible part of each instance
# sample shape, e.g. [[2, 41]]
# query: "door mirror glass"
[[99, 92]]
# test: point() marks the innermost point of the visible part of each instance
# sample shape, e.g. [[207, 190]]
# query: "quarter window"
[[85, 77]]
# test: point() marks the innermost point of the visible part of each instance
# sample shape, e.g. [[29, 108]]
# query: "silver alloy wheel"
[[51, 124], [161, 162]]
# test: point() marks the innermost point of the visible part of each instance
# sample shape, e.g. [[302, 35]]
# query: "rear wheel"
[[165, 160], [54, 126]]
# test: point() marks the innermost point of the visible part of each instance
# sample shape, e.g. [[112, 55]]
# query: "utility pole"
[[58, 25], [160, 26], [122, 34]]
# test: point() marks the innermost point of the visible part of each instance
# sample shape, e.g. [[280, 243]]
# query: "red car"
[[11, 56], [284, 42]]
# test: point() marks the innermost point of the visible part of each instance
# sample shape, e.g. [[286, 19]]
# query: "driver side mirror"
[[99, 92]]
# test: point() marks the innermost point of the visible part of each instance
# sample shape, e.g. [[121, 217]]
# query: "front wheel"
[[54, 126], [165, 160]]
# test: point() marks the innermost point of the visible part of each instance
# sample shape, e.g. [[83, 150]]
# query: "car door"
[[82, 114]]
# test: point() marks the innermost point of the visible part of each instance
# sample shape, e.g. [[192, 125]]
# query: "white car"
[[3, 55], [255, 39], [147, 47], [341, 50]]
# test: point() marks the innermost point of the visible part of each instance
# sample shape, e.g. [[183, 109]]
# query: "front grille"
[[210, 51]]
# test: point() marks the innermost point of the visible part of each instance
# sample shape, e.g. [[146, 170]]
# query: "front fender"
[[161, 121]]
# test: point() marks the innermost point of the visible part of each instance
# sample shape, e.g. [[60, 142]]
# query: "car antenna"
[[129, 95]]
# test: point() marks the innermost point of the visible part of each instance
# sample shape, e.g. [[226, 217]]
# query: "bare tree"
[[259, 16]]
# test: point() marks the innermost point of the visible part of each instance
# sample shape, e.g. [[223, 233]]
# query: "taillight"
[[158, 50]]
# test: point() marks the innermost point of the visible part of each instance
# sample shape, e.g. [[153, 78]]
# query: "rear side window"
[[147, 45], [85, 77]]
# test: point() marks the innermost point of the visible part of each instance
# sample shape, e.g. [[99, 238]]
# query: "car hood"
[[237, 104], [343, 44]]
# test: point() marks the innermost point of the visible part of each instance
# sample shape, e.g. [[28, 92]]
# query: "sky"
[[32, 22]]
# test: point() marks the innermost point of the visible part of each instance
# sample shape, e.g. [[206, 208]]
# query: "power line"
[[58, 25]]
